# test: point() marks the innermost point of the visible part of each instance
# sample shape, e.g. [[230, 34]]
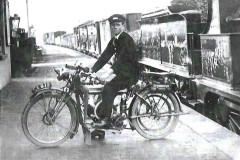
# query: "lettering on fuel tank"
[[216, 60]]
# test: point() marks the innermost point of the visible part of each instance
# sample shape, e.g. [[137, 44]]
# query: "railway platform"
[[195, 137]]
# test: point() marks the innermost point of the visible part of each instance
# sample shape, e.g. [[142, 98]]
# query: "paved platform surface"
[[195, 137]]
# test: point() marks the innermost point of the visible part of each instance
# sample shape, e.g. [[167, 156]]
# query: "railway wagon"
[[166, 41], [58, 38], [51, 38], [83, 36], [5, 63], [76, 38], [93, 38], [45, 38], [220, 83], [201, 60], [68, 40], [105, 34]]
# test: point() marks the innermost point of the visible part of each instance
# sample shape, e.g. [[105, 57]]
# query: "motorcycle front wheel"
[[39, 124], [154, 115]]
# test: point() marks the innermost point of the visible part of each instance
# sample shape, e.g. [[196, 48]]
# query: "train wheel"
[[211, 103], [222, 114]]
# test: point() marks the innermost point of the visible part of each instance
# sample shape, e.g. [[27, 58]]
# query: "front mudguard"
[[44, 90], [58, 91]]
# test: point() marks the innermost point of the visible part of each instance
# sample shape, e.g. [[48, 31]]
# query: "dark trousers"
[[110, 91]]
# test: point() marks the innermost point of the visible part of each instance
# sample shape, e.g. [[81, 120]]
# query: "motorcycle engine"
[[118, 121]]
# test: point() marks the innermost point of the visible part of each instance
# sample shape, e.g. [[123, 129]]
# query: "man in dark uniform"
[[121, 49]]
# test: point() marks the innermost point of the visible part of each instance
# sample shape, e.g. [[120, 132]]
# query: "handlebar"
[[84, 74], [84, 69], [96, 80]]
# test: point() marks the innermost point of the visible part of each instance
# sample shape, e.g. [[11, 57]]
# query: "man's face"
[[117, 27]]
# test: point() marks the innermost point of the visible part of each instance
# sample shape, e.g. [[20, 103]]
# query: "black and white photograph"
[[120, 80]]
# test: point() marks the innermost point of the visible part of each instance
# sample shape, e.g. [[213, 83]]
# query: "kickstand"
[[87, 135]]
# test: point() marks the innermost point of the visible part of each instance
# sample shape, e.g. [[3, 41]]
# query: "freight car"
[[54, 38], [200, 59]]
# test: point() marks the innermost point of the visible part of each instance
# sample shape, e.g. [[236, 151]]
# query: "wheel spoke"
[[232, 128], [37, 132], [235, 123], [61, 126], [235, 113], [42, 105]]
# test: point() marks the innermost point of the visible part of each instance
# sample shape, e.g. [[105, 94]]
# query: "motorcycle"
[[53, 115]]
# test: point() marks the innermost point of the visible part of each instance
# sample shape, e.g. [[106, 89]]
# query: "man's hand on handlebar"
[[93, 74]]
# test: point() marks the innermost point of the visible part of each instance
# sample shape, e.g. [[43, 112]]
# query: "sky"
[[54, 15]]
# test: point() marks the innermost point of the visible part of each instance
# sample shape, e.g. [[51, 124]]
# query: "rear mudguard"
[[134, 98], [58, 91], [154, 88], [178, 100]]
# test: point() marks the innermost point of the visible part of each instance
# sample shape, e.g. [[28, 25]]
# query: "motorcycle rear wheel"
[[38, 126], [150, 121]]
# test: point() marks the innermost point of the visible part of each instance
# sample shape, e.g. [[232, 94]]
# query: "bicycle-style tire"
[[35, 124], [167, 104]]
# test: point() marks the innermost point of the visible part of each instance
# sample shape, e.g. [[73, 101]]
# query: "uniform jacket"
[[126, 57]]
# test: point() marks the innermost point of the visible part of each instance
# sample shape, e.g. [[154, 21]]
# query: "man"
[[120, 49]]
